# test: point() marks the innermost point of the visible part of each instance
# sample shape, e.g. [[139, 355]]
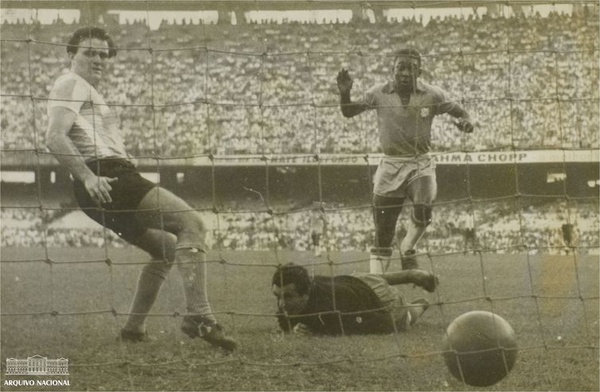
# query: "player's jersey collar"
[[390, 87], [81, 78]]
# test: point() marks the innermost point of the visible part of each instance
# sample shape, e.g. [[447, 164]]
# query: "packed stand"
[[503, 226], [191, 90]]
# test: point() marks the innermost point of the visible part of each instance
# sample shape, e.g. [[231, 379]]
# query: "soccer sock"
[[149, 283], [379, 260], [192, 266]]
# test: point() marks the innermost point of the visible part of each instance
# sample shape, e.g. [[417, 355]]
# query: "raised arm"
[[60, 122], [349, 108]]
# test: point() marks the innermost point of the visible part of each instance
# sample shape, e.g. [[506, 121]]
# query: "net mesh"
[[243, 121]]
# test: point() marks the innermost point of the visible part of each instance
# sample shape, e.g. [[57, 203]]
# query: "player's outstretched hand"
[[344, 81], [464, 125]]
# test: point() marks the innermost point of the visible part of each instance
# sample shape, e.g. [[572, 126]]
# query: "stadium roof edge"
[[249, 5]]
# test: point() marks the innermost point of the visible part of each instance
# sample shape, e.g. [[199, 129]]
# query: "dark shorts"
[[127, 193]]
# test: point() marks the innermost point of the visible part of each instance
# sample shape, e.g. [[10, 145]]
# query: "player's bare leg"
[[386, 211], [414, 234], [164, 210], [422, 191]]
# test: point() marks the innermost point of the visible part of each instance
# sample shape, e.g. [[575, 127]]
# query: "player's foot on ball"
[[197, 327], [129, 336], [409, 260]]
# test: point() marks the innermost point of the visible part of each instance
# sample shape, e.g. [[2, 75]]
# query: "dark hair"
[[407, 52], [87, 33], [292, 273]]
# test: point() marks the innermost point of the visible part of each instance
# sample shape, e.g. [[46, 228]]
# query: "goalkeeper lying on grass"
[[359, 303]]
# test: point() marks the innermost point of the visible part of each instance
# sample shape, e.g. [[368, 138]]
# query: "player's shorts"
[[390, 298], [394, 174], [127, 193]]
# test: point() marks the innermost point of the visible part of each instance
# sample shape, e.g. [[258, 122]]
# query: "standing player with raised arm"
[[405, 110], [83, 136]]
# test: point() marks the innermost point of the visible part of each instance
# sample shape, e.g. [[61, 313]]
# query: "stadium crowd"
[[186, 90], [499, 227], [189, 90]]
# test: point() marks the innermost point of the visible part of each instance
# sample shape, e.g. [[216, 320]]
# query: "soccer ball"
[[480, 348]]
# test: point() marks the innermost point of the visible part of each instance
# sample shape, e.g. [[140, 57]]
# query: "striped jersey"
[[94, 133]]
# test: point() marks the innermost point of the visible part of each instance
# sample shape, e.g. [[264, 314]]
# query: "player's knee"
[[422, 214], [164, 254], [192, 233], [387, 205], [158, 268]]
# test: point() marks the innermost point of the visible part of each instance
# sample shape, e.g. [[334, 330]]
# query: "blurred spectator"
[[499, 226]]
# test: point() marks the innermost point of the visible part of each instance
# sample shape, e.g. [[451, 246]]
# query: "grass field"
[[75, 309]]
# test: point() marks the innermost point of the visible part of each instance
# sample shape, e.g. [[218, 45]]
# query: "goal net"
[[234, 107]]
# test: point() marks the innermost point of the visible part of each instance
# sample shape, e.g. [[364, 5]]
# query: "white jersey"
[[94, 133]]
